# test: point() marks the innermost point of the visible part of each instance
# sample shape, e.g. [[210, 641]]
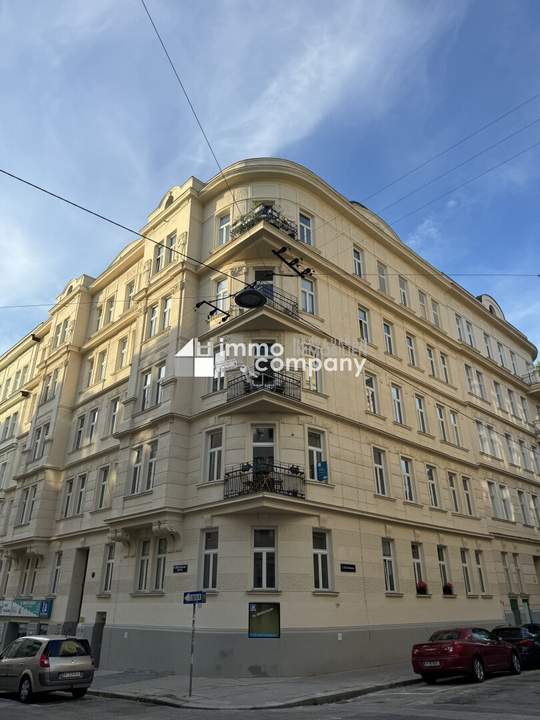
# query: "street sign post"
[[193, 598]]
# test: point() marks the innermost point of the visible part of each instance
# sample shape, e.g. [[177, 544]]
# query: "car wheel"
[[79, 692], [429, 679], [25, 690], [515, 664], [478, 672]]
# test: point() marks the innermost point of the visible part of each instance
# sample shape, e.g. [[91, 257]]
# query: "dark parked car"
[[463, 651], [39, 664], [533, 628], [527, 644]]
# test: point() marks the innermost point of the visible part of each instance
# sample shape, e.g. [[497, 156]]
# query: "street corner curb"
[[321, 699]]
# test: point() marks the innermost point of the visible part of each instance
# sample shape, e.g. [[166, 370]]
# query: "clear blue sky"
[[359, 91]]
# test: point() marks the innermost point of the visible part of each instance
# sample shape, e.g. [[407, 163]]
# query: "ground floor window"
[[264, 559], [210, 560]]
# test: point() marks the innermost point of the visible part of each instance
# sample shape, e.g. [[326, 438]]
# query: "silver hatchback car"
[[39, 664]]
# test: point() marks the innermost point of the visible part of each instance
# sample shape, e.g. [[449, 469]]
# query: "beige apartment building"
[[332, 519]]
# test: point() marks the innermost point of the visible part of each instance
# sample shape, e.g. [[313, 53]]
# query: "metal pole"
[[192, 650]]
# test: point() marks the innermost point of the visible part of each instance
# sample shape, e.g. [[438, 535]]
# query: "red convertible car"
[[463, 651]]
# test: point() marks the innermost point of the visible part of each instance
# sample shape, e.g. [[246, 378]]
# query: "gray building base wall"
[[233, 654]]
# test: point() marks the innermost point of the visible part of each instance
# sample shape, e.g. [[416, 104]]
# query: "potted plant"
[[421, 588], [448, 589]]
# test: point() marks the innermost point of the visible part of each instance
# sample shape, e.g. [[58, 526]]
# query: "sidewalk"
[[249, 693]]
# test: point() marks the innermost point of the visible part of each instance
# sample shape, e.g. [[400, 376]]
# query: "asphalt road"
[[499, 698]]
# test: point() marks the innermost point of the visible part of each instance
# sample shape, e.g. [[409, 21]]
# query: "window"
[[513, 406], [263, 446], [464, 553], [307, 296], [55, 579], [222, 299], [143, 564], [151, 465], [506, 503], [382, 276], [103, 487], [408, 479], [224, 229], [379, 465], [23, 506], [536, 456], [487, 345], [89, 371], [506, 568], [493, 441], [38, 445], [161, 370], [431, 361], [313, 375], [101, 366], [525, 409], [358, 262], [454, 492], [370, 382], [418, 570], [159, 257], [305, 229], [499, 396], [403, 292], [480, 574], [146, 389], [524, 507], [435, 313], [210, 560], [467, 495], [109, 310], [470, 379], [130, 292], [109, 568], [525, 457], [136, 470], [264, 559], [166, 305], [152, 321], [79, 500], [433, 491], [470, 334], [29, 574], [115, 407], [535, 501], [121, 358], [459, 328], [388, 333], [422, 302], [445, 368], [321, 575], [68, 495], [363, 323], [170, 242], [513, 362], [442, 557], [390, 580], [397, 405], [517, 570], [3, 472], [79, 430], [161, 562], [421, 414], [502, 357], [480, 385], [99, 317], [454, 427], [317, 465], [411, 350], [214, 453], [92, 423]]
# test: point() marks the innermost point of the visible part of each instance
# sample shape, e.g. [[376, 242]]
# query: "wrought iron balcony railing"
[[282, 384], [279, 299], [249, 479], [270, 215], [532, 377]]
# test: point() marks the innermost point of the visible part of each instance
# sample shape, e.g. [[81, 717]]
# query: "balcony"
[[282, 384], [270, 215], [247, 479], [532, 379]]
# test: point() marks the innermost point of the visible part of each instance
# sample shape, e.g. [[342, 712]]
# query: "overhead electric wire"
[[467, 182], [455, 145]]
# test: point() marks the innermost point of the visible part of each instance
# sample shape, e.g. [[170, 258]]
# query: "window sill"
[[503, 520], [100, 510], [449, 596], [323, 593], [438, 509], [103, 595], [147, 593], [464, 515], [426, 434], [262, 591], [401, 425], [211, 592], [317, 393], [384, 497], [139, 494], [393, 355], [377, 415], [413, 503], [487, 596], [425, 595], [416, 367], [473, 596], [320, 483], [394, 594]]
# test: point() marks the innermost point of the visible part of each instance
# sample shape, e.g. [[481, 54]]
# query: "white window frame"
[[403, 291], [210, 559], [389, 565], [305, 227], [316, 454], [223, 228], [407, 476], [372, 395], [363, 324], [308, 296], [388, 334], [433, 486], [321, 562], [265, 552], [358, 262], [382, 485], [397, 404], [214, 455]]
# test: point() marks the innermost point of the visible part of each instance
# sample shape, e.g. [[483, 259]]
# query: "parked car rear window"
[[445, 635], [68, 648], [512, 633]]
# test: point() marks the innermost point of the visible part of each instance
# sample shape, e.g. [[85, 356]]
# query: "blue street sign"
[[194, 598]]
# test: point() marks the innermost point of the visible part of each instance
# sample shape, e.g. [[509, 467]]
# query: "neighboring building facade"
[[350, 515]]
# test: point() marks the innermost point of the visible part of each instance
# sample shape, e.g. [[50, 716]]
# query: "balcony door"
[[265, 279], [263, 447]]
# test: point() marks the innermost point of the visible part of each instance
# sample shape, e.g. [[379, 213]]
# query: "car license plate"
[[431, 663], [69, 675]]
